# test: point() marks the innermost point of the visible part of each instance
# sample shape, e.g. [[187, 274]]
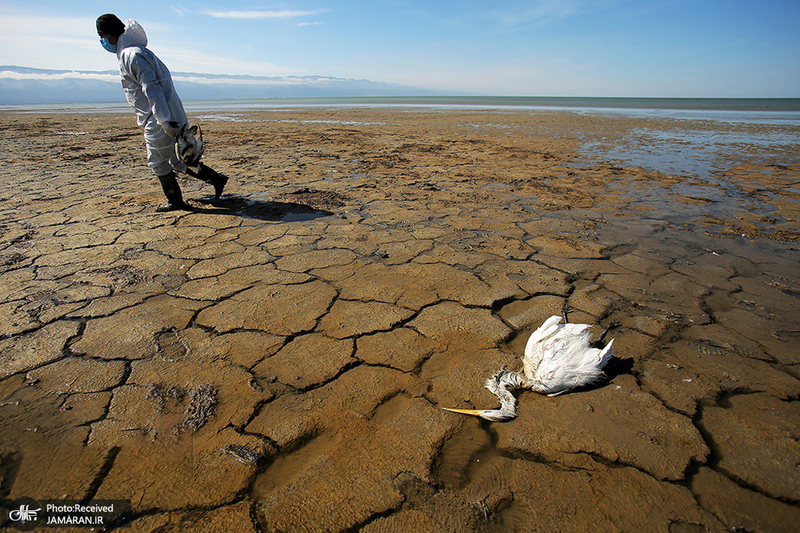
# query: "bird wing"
[[545, 330], [534, 349], [570, 362]]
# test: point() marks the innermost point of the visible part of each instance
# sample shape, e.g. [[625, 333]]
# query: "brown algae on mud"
[[277, 360]]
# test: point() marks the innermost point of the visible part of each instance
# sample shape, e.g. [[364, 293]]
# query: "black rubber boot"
[[169, 184], [211, 176]]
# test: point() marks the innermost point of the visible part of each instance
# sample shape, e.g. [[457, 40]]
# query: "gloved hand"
[[172, 128]]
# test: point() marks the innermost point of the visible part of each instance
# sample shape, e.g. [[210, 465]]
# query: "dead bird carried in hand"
[[189, 145], [558, 358], [189, 148]]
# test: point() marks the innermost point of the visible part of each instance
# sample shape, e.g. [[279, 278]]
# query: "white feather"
[[560, 358]]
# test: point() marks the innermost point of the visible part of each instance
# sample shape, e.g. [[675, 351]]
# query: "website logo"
[[24, 514]]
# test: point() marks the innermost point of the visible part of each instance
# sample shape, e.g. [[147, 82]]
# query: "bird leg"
[[565, 308], [600, 342]]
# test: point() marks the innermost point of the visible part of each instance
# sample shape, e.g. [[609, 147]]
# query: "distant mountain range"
[[24, 86]]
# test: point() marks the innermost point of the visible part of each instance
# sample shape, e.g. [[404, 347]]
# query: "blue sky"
[[670, 48]]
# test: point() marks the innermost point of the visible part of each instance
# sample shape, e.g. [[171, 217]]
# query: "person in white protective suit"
[[149, 90]]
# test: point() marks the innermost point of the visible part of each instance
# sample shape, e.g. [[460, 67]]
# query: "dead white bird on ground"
[[558, 358]]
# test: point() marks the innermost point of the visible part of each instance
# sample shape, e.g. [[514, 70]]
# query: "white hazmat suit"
[[149, 90]]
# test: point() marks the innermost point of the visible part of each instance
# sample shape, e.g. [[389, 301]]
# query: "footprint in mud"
[[464, 455], [439, 363], [390, 409], [289, 467], [170, 345]]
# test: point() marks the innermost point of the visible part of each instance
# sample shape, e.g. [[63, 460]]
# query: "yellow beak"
[[473, 412]]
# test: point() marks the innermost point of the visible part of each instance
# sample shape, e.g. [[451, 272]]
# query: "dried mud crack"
[[276, 360]]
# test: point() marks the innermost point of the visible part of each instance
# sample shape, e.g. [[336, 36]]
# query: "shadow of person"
[[258, 209]]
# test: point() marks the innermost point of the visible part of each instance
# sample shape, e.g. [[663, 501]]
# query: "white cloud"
[[44, 27], [71, 43], [51, 42], [283, 14], [40, 76], [290, 80], [210, 79], [192, 60]]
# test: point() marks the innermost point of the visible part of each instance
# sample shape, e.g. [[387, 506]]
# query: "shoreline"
[[783, 109], [279, 358]]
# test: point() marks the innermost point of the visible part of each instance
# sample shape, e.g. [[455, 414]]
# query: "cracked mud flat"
[[276, 361]]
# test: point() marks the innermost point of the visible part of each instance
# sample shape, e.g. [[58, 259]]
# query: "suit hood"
[[134, 36]]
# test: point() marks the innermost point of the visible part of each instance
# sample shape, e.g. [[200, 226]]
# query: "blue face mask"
[[108, 46]]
